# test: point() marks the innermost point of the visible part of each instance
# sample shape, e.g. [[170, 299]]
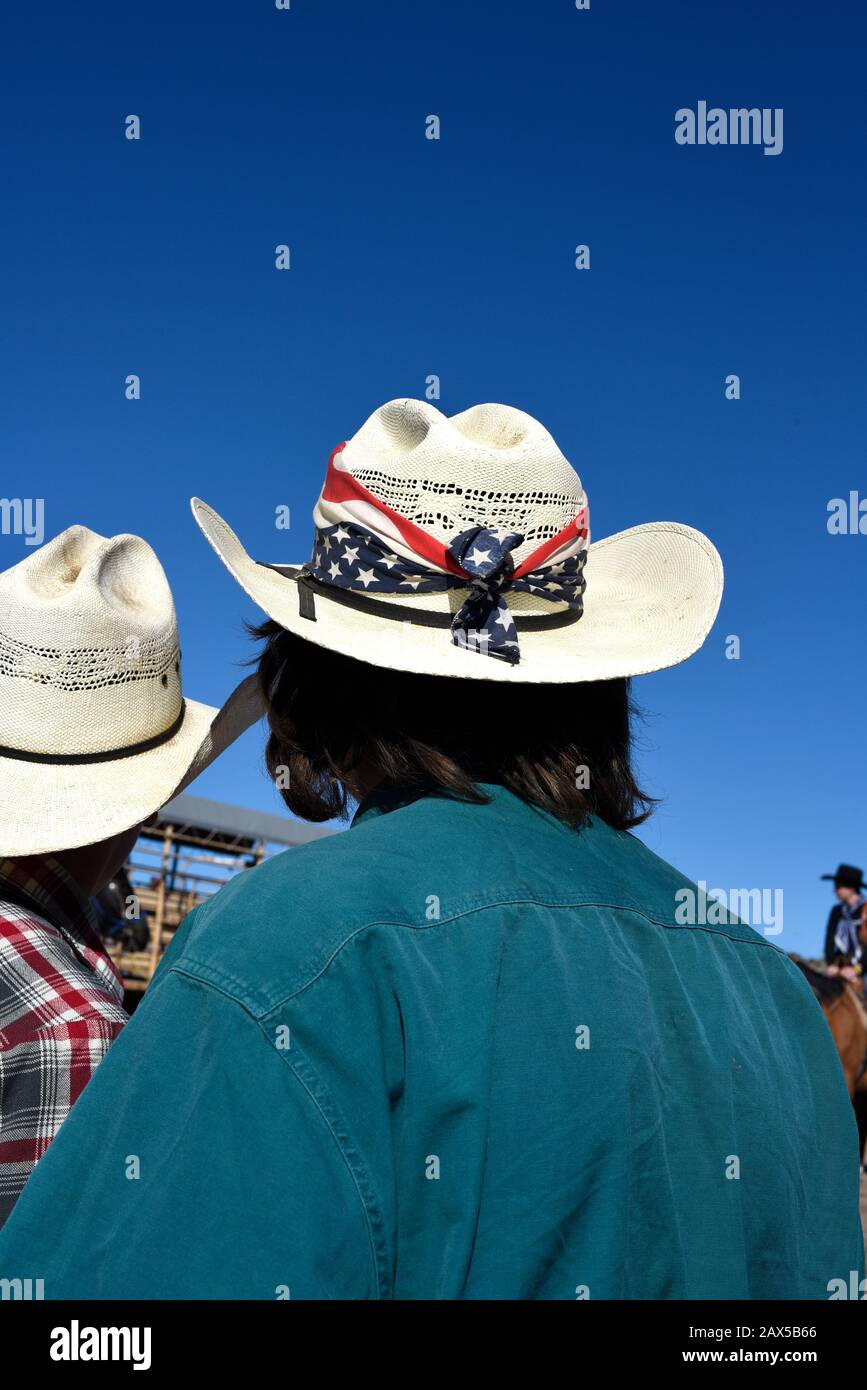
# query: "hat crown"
[[89, 658], [491, 465], [847, 876]]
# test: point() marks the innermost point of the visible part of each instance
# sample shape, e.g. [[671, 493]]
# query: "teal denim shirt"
[[460, 1052]]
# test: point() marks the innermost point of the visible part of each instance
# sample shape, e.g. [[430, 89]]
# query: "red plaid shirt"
[[60, 1010]]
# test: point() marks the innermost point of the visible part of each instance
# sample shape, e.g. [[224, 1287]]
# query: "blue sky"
[[456, 257]]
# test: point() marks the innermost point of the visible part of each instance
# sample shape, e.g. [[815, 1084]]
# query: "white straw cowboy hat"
[[95, 734], [460, 547]]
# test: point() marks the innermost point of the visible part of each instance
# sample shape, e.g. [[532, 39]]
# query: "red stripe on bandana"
[[343, 487], [575, 528]]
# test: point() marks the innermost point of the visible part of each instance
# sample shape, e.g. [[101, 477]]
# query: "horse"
[[846, 1018]]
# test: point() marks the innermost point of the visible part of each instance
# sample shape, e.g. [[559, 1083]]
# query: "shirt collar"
[[46, 885], [386, 796], [391, 796]]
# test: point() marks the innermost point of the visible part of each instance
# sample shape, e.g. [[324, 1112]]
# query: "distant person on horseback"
[[844, 947]]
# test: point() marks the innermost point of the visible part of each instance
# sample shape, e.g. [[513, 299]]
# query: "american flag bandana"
[[369, 548]]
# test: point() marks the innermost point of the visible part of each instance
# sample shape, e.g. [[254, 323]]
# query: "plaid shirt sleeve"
[[58, 1017]]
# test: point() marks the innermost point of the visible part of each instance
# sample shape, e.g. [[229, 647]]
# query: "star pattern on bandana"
[[349, 557]]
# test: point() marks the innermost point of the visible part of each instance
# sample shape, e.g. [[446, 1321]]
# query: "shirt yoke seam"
[[231, 982]]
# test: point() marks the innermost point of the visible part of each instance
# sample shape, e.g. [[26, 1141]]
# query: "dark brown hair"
[[333, 719]]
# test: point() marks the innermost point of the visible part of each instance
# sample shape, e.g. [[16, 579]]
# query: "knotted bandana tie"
[[483, 621]]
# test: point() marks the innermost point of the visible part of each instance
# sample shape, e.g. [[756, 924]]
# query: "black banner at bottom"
[[61, 1339]]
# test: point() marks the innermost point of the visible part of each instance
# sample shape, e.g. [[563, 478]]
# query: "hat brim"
[[652, 596], [50, 807]]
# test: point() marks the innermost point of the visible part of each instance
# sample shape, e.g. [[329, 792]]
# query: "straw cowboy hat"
[[95, 734], [460, 547]]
